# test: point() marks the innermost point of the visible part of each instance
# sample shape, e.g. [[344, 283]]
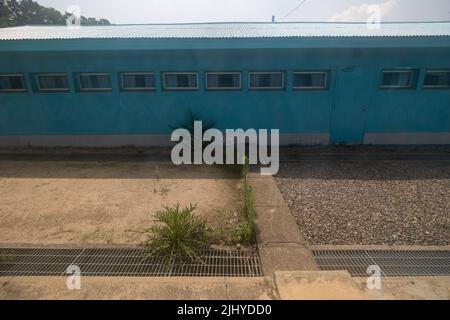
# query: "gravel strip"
[[369, 202]]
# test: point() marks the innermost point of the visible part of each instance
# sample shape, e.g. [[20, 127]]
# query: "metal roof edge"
[[224, 44]]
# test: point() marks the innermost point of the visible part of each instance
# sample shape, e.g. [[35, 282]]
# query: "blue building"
[[319, 83]]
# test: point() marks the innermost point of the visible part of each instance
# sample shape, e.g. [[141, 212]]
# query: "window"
[[266, 80], [397, 79], [12, 83], [94, 82], [223, 80], [310, 80], [180, 81], [138, 81], [437, 79], [52, 82]]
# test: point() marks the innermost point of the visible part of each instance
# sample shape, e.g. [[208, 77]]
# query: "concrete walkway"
[[280, 245]]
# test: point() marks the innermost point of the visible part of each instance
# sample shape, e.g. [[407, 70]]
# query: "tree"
[[28, 12], [4, 14]]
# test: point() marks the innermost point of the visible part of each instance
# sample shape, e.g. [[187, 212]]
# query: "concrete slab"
[[332, 285], [285, 285], [266, 192], [117, 288], [416, 288], [276, 225], [286, 258], [323, 285], [251, 289]]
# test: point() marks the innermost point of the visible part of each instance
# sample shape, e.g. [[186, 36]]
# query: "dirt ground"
[[95, 202]]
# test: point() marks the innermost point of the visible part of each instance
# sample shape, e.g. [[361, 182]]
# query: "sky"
[[169, 11]]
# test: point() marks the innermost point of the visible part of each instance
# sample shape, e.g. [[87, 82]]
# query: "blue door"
[[351, 101]]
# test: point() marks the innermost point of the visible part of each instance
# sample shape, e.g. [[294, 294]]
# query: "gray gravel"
[[369, 202]]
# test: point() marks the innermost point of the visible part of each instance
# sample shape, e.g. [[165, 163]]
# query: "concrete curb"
[[138, 288]]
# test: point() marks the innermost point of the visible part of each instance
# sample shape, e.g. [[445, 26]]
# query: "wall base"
[[109, 141], [163, 140], [413, 138]]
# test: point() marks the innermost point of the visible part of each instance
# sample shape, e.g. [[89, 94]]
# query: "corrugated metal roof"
[[226, 31]]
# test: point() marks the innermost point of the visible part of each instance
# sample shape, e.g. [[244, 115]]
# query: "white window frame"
[[15, 75], [250, 73], [324, 87], [137, 74], [93, 74], [223, 88], [410, 84], [435, 87], [38, 85], [176, 88]]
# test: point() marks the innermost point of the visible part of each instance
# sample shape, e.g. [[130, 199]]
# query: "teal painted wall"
[[352, 106]]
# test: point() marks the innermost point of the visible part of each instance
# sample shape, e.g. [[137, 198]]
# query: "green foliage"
[[245, 233], [178, 233], [244, 171], [4, 14], [28, 12]]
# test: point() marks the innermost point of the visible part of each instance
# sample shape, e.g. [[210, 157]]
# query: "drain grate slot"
[[393, 263], [102, 262]]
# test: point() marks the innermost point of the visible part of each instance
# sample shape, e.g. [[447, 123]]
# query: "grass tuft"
[[245, 233], [179, 233]]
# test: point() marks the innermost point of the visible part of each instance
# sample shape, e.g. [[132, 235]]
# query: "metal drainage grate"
[[393, 263], [125, 262]]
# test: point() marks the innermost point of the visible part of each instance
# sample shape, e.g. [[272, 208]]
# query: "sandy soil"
[[106, 202]]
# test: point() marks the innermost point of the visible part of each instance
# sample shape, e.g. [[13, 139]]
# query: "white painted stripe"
[[305, 139], [407, 138]]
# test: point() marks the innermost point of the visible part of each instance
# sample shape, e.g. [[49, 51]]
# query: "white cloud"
[[364, 11]]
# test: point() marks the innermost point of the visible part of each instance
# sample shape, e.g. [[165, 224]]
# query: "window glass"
[[95, 82], [52, 82], [180, 81], [310, 80], [12, 83], [136, 81], [437, 79], [397, 79], [263, 80], [223, 81]]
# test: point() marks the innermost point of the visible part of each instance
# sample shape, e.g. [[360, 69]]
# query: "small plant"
[[178, 234], [245, 233]]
